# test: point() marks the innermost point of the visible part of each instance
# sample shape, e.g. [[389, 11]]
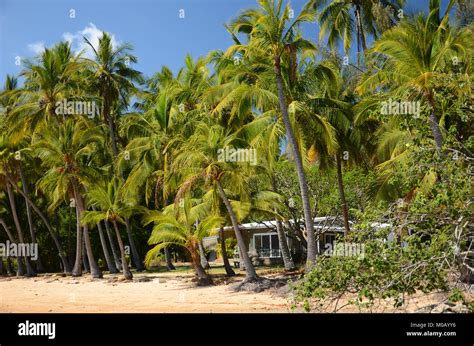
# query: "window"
[[329, 238], [267, 245]]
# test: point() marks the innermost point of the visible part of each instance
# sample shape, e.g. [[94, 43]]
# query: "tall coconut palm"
[[408, 57], [184, 224], [65, 151], [52, 76], [113, 78], [270, 31], [15, 106]]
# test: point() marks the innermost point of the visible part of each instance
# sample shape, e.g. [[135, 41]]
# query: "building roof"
[[319, 223]]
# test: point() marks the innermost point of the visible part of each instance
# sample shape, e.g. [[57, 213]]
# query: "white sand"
[[162, 294]]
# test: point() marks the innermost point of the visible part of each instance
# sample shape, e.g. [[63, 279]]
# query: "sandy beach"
[[154, 293], [172, 292]]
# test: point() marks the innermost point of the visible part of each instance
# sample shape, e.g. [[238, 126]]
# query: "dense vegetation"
[[95, 146]]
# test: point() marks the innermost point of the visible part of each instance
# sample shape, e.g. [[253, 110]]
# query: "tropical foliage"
[[275, 126]]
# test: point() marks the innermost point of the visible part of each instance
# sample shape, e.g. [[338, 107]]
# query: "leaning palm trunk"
[[202, 255], [126, 270], [7, 230], [62, 255], [118, 263], [105, 249], [39, 264], [135, 256], [29, 269], [311, 239], [250, 273], [228, 269], [285, 251], [13, 241], [95, 270], [342, 195], [203, 277]]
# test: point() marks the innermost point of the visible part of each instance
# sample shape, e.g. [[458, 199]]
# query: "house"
[[262, 242]]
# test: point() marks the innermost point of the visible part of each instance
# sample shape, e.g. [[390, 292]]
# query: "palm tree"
[[334, 102], [184, 226], [409, 56], [270, 32], [52, 76], [65, 151], [111, 208], [198, 161], [114, 79], [339, 18], [265, 133]]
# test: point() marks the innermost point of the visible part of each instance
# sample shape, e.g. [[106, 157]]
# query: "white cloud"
[[37, 47], [92, 33]]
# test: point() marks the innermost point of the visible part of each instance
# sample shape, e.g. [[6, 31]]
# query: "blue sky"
[[159, 36]]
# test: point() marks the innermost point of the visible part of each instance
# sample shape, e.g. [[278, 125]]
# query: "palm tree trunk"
[[312, 249], [85, 261], [105, 249], [61, 254], [13, 241], [250, 272], [342, 195], [203, 277], [360, 32], [228, 269], [39, 264], [69, 248], [168, 259], [111, 124], [434, 124], [77, 269], [135, 256], [113, 140], [202, 255], [7, 230], [285, 251], [95, 270], [126, 270], [29, 269], [115, 251]]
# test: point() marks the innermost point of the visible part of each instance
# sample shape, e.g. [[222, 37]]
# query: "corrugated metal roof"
[[318, 224]]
